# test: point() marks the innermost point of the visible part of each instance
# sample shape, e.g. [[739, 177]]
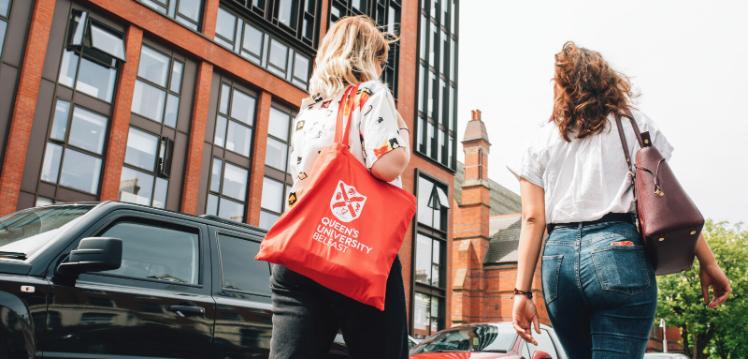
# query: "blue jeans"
[[600, 290]]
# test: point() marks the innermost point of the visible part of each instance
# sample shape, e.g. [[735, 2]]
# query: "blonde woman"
[[598, 284], [307, 316]]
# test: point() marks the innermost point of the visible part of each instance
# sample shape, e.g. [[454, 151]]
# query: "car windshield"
[[24, 232], [475, 338]]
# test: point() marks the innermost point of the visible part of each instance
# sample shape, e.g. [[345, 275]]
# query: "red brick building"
[[186, 105]]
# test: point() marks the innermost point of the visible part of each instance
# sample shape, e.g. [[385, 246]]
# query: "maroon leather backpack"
[[669, 221]]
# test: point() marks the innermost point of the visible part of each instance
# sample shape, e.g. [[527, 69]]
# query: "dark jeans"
[[600, 290], [307, 316]]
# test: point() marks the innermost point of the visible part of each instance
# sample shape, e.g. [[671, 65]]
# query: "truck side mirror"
[[94, 254]]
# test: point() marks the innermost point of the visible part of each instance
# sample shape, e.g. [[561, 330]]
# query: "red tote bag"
[[346, 228]]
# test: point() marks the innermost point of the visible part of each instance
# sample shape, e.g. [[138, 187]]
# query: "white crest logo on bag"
[[347, 203]]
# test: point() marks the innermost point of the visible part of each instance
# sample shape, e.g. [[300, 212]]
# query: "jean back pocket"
[[622, 269], [550, 272]]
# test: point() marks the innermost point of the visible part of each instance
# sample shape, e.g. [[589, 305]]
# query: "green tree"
[[711, 333]]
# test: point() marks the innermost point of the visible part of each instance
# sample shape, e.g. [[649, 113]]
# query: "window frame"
[[269, 35], [372, 8], [176, 17], [443, 154], [218, 272], [275, 174], [149, 217], [268, 20], [437, 236], [6, 20]]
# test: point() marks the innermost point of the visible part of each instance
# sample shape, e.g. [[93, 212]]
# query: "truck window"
[[241, 271], [156, 252]]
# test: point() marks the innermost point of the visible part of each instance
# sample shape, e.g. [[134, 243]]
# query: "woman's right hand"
[[711, 275], [524, 313]]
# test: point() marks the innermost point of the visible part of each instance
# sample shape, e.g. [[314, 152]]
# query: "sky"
[[687, 60]]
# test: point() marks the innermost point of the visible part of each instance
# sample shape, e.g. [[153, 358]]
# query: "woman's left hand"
[[711, 275]]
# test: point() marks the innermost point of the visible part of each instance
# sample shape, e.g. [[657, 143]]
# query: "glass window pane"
[[135, 187], [155, 5], [278, 55], [234, 182], [68, 68], [301, 67], [225, 25], [252, 41], [287, 12], [421, 314], [423, 45], [51, 164], [242, 107], [452, 61], [171, 111], [272, 195], [278, 124], [276, 153], [212, 206], [423, 259], [148, 101], [96, 80], [60, 122], [436, 262], [141, 149], [240, 270], [80, 171], [43, 201], [224, 101], [154, 66], [176, 76], [435, 314], [159, 194], [88, 130], [267, 219], [157, 252], [231, 210], [425, 213], [220, 136], [4, 7], [190, 9], [107, 42], [215, 175], [238, 138], [3, 26]]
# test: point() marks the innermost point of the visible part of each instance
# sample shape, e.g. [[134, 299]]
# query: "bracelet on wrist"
[[527, 294]]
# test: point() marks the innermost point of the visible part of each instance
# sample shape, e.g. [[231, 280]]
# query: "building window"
[[93, 55], [4, 14], [75, 148], [297, 21], [277, 181], [158, 121], [430, 256], [145, 176], [186, 12], [156, 94], [386, 13], [231, 151], [244, 37], [436, 111]]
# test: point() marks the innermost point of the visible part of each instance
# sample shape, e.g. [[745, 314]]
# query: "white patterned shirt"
[[374, 129]]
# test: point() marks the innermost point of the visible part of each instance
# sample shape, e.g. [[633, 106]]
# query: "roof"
[[502, 248], [503, 200], [475, 130]]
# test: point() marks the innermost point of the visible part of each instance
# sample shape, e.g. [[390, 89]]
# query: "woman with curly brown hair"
[[598, 284]]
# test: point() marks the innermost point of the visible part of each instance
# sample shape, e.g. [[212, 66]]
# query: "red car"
[[488, 341]]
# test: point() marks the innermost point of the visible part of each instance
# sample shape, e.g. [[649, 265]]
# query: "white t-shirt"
[[374, 129], [586, 178]]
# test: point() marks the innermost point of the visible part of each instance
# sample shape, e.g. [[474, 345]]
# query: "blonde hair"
[[349, 54]]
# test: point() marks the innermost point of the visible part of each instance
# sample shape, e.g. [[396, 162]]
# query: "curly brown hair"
[[586, 91]]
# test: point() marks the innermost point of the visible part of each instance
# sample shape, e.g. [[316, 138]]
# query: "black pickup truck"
[[110, 279]]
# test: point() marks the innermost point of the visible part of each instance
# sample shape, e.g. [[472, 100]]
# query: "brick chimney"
[[471, 225]]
